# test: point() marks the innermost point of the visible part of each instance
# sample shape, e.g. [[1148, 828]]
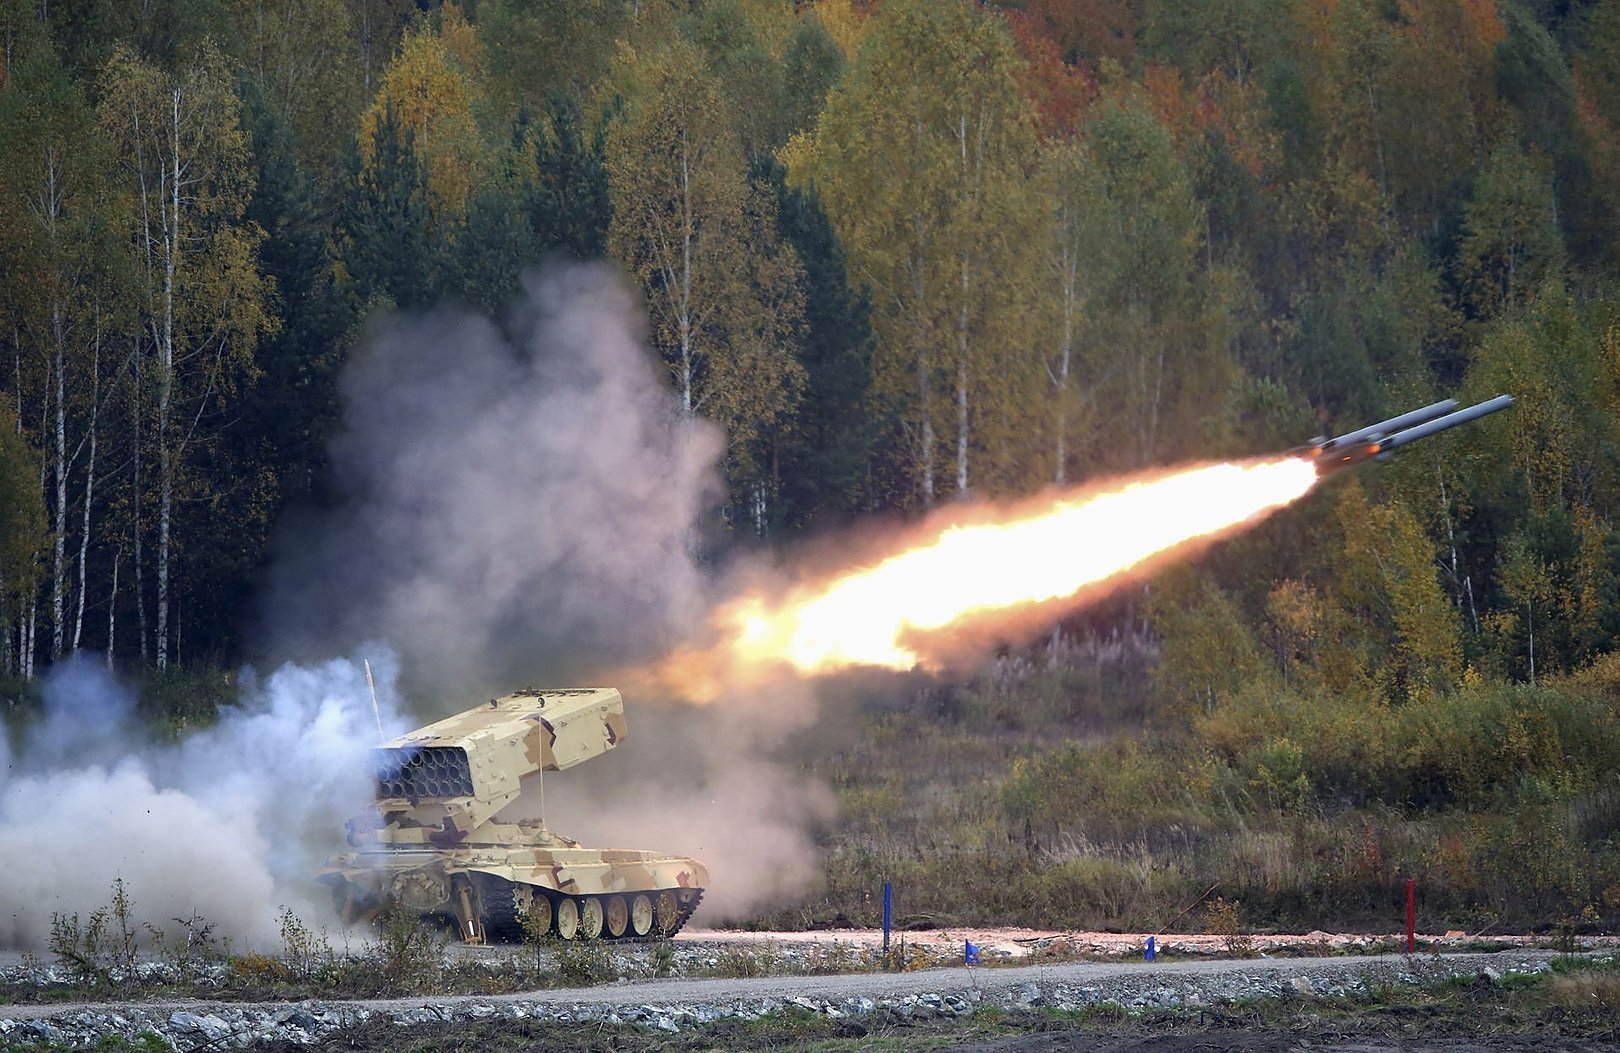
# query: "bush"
[[585, 962]]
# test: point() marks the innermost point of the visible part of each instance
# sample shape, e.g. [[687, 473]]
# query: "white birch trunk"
[[1065, 357], [684, 311], [112, 609], [962, 386], [135, 520], [925, 439], [28, 640], [171, 239], [962, 324], [59, 466], [89, 486]]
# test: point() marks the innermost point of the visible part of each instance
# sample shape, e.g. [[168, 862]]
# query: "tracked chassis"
[[434, 843]]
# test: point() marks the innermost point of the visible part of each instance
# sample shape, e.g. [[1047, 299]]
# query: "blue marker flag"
[[970, 953]]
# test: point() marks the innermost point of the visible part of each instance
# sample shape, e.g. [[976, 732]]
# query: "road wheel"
[[618, 916], [567, 919], [666, 913], [641, 915], [590, 918], [537, 917]]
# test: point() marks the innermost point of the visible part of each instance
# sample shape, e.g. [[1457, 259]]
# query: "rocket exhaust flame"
[[900, 609], [887, 612]]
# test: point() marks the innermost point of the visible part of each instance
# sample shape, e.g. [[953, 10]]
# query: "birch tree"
[[724, 291], [920, 157], [53, 180], [184, 157]]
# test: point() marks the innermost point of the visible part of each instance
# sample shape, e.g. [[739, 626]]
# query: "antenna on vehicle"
[[375, 712]]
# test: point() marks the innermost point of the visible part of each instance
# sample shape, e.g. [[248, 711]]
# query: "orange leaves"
[[1060, 91]]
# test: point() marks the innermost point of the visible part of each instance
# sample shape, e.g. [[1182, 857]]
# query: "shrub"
[[585, 962]]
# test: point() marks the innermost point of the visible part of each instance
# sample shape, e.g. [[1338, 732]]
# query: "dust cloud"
[[229, 823]]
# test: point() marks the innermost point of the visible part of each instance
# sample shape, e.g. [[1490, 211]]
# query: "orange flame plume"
[[875, 615]]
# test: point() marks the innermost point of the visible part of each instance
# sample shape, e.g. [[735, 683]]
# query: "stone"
[[1029, 994], [302, 1019], [44, 1030]]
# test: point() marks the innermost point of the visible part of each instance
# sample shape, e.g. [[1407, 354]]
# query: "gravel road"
[[675, 1005]]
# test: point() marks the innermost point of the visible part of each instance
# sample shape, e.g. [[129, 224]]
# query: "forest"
[[905, 252]]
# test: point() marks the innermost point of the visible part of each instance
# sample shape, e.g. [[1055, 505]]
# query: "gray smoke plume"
[[521, 506], [514, 508], [230, 823]]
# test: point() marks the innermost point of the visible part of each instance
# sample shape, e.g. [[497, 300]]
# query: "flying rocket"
[[1381, 440]]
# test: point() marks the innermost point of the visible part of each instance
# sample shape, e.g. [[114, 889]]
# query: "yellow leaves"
[[921, 158], [190, 123], [461, 42], [1388, 576], [429, 88], [724, 292], [847, 23]]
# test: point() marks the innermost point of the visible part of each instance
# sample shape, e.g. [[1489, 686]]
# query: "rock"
[[210, 1027], [43, 1030], [301, 1018], [1302, 985], [1029, 994]]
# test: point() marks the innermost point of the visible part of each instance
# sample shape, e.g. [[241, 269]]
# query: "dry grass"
[[1058, 790], [1590, 990]]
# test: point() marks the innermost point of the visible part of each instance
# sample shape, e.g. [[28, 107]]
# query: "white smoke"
[[231, 823]]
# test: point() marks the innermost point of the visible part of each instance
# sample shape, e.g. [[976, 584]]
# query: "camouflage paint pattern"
[[432, 842]]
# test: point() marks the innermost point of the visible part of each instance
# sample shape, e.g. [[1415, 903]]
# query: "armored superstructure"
[[435, 841]]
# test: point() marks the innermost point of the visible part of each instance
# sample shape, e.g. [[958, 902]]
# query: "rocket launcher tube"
[[467, 767], [1450, 420], [1375, 432]]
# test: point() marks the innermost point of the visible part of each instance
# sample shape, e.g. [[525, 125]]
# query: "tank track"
[[503, 925], [501, 921]]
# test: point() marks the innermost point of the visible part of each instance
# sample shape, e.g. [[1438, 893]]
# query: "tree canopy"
[[899, 251]]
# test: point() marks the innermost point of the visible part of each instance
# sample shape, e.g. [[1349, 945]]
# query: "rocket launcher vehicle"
[[441, 841], [1381, 440]]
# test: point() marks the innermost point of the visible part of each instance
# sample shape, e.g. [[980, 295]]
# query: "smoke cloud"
[[230, 824], [516, 505], [522, 505]]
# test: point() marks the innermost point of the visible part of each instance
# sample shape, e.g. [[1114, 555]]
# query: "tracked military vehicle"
[[436, 843]]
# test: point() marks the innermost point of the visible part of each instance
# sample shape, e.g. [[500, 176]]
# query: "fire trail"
[[1074, 547]]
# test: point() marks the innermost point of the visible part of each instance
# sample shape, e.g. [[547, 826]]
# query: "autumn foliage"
[[902, 252]]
